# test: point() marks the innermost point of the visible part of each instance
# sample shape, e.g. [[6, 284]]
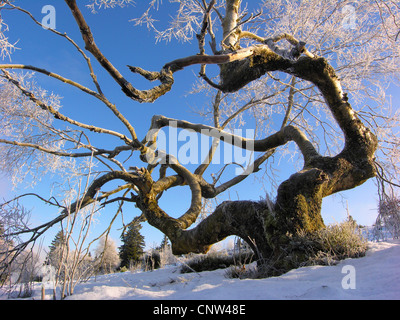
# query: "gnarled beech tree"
[[266, 225]]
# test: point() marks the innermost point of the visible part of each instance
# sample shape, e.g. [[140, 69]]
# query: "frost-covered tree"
[[107, 259], [311, 76], [388, 220]]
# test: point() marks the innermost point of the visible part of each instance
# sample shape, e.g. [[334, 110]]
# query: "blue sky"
[[123, 44]]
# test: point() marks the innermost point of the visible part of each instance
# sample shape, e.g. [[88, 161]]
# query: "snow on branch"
[[6, 48], [298, 47], [108, 4]]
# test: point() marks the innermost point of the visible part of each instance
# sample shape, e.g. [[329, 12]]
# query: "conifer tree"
[[132, 246], [54, 256], [164, 243]]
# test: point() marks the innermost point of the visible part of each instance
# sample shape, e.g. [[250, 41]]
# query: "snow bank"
[[375, 276]]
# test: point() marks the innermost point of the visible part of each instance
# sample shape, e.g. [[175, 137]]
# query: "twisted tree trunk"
[[299, 199], [267, 226]]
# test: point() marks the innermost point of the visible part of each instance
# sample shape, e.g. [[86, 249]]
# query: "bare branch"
[[92, 74], [91, 46], [50, 74], [205, 26], [101, 97], [57, 114], [288, 133], [52, 201], [90, 196], [95, 152]]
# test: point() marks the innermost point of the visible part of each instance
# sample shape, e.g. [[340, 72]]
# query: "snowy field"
[[375, 276]]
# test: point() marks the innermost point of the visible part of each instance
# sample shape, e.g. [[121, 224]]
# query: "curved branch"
[[190, 216], [267, 145], [55, 203], [166, 74], [288, 133], [240, 218], [167, 182], [181, 63]]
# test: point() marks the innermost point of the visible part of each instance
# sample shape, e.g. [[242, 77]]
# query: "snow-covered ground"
[[375, 276]]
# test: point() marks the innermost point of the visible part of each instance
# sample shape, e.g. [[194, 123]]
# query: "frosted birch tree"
[[308, 72]]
